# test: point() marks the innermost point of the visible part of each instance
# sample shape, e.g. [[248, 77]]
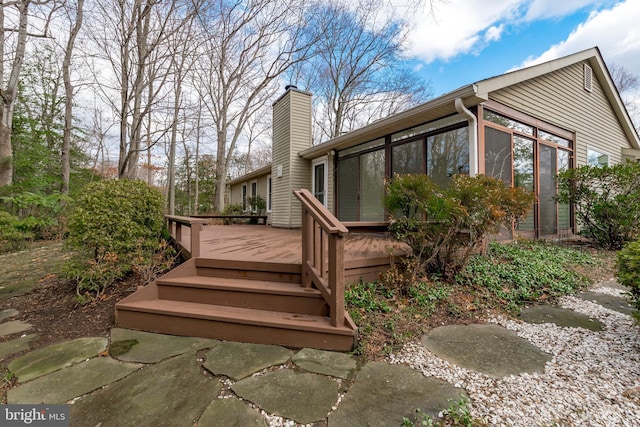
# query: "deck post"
[[195, 240], [178, 232], [307, 245], [336, 278]]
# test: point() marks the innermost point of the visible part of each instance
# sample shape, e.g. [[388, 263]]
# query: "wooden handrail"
[[323, 253], [196, 226]]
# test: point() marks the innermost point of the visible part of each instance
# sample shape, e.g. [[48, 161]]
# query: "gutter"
[[473, 135]]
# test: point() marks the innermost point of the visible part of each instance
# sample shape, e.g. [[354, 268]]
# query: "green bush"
[[111, 224], [606, 201], [39, 216], [12, 233], [629, 269], [444, 226], [232, 210]]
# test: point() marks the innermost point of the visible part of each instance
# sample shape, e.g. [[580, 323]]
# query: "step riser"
[[259, 301], [250, 274], [195, 327]]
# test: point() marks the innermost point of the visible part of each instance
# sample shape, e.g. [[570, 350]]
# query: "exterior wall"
[[291, 135], [235, 192], [559, 98]]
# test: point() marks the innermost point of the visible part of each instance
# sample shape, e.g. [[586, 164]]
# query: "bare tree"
[[133, 41], [358, 73], [75, 25], [14, 32], [628, 86], [247, 46]]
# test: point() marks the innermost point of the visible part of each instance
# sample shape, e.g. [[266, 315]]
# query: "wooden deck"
[[255, 283], [365, 253]]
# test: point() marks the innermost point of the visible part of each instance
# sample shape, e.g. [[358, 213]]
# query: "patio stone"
[[619, 304], [238, 360], [13, 327], [9, 312], [563, 317], [17, 345], [65, 384], [49, 359], [383, 394], [231, 412], [325, 362], [302, 397], [490, 349], [172, 393], [145, 347]]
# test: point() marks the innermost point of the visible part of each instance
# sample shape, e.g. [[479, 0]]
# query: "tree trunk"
[[68, 106]]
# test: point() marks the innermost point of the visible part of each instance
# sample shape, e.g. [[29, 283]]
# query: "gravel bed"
[[593, 378]]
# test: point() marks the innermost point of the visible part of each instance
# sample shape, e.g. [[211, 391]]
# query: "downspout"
[[473, 136]]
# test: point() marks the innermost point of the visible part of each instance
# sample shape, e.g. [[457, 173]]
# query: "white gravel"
[[583, 385]]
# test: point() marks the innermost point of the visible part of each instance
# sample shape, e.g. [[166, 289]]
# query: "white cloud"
[[615, 31], [494, 33], [468, 26], [457, 27], [545, 9]]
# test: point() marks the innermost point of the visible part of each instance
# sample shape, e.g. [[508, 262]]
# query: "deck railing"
[[174, 226], [323, 253]]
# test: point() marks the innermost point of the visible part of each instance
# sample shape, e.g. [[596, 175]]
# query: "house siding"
[[559, 98], [291, 135]]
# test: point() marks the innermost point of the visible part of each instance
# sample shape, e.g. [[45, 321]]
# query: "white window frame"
[[599, 154], [321, 160], [269, 191], [251, 183], [243, 196]]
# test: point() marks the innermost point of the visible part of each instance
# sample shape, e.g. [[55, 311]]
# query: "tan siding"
[[236, 194], [291, 134], [559, 98]]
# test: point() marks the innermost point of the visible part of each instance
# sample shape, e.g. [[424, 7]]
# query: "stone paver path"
[[490, 349], [160, 380]]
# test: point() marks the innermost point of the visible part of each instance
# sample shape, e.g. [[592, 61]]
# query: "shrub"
[[629, 269], [39, 215], [232, 209], [444, 226], [110, 225], [12, 234], [606, 201], [257, 204]]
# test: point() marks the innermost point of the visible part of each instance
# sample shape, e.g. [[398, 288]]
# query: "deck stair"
[[258, 302]]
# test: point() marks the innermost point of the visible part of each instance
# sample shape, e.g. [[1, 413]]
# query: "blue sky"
[[468, 40]]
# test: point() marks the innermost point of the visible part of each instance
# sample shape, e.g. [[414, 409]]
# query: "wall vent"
[[588, 78]]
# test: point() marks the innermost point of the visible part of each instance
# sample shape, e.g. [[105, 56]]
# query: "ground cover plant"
[[393, 311]]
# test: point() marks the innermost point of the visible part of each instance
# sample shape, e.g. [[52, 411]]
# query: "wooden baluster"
[[336, 279]]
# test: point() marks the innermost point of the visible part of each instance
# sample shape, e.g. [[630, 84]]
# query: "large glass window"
[[319, 183], [372, 186], [447, 155], [547, 194], [523, 174], [564, 212], [407, 158], [497, 154], [348, 187]]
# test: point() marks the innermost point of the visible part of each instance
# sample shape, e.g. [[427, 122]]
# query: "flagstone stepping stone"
[[490, 349], [619, 304], [17, 345], [13, 327], [65, 384], [171, 393], [383, 394], [231, 412], [239, 360], [49, 359], [564, 317], [10, 312], [146, 347], [325, 362], [302, 397]]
